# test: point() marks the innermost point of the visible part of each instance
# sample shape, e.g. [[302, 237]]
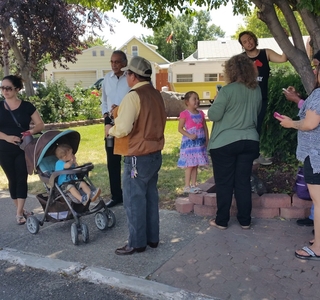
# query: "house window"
[[102, 53], [184, 78], [94, 53], [210, 77], [134, 51]]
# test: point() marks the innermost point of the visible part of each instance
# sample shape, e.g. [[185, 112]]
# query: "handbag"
[[27, 139], [301, 187]]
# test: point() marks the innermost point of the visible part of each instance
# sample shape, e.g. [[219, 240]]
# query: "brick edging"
[[266, 206]]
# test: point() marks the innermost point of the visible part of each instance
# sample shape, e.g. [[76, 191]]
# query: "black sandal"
[[21, 220]]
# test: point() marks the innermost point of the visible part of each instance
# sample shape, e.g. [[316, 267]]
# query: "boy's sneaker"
[[85, 199], [95, 194]]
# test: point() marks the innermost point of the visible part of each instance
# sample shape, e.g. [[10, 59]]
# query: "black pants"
[[232, 165], [114, 170], [14, 166]]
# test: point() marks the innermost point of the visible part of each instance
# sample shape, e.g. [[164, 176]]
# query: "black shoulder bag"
[[26, 139]]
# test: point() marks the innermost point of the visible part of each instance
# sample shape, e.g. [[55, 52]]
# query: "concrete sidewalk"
[[193, 260]]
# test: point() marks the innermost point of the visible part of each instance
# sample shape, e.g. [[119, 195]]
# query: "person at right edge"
[[292, 95], [234, 140], [139, 124], [308, 152], [114, 88], [261, 58]]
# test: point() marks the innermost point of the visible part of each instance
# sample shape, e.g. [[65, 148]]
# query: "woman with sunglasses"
[[308, 152], [12, 158]]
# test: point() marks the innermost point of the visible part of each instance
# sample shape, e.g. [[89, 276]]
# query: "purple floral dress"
[[193, 152]]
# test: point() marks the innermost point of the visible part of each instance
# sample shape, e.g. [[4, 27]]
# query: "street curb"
[[96, 275]]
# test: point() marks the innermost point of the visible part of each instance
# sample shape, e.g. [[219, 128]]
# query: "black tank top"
[[261, 61]]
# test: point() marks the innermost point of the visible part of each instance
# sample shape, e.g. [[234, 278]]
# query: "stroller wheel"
[[74, 234], [111, 218], [101, 220], [33, 224], [85, 233]]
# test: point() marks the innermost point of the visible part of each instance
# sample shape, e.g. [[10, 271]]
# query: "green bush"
[[275, 140], [57, 103], [86, 103]]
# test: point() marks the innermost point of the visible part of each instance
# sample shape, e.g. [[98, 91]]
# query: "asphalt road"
[[19, 282]]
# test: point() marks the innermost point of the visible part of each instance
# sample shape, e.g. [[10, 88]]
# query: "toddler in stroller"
[[57, 205], [69, 182]]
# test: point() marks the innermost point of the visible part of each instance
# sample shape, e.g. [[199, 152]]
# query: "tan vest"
[[147, 135]]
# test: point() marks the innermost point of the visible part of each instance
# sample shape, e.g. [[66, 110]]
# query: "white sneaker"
[[265, 161]]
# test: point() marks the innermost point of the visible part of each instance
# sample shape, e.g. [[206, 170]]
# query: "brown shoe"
[[126, 250], [212, 222]]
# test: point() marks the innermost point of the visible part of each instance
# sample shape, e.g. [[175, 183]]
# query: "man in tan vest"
[[138, 129]]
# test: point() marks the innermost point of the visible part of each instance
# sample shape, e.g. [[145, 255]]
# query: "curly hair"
[[240, 68]]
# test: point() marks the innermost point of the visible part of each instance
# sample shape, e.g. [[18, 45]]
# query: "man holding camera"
[[139, 136], [114, 88]]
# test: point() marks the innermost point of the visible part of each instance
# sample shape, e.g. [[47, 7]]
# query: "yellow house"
[[136, 47], [94, 63], [91, 65]]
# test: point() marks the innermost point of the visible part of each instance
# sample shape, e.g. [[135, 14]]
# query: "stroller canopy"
[[46, 145]]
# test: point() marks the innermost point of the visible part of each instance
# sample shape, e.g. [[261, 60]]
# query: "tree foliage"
[[37, 29], [92, 41], [186, 31], [261, 29], [155, 13], [33, 28]]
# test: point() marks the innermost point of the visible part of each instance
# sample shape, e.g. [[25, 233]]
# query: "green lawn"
[[91, 149]]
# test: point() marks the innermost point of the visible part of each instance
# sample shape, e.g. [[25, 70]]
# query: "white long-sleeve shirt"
[[113, 91]]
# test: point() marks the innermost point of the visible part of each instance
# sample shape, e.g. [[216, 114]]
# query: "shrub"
[[275, 140], [57, 103], [52, 103], [86, 103]]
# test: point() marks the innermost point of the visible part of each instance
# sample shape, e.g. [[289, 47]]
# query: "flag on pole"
[[169, 38]]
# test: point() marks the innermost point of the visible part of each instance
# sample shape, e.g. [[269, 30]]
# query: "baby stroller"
[[57, 205]]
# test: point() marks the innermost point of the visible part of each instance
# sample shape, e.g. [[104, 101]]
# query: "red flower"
[[96, 93], [69, 97]]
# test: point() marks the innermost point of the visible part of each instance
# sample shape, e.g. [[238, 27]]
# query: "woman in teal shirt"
[[234, 140]]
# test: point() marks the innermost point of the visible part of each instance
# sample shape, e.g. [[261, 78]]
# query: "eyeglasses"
[[116, 62], [6, 88]]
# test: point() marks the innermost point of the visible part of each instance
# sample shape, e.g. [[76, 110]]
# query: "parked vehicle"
[[36, 85], [98, 84], [202, 76]]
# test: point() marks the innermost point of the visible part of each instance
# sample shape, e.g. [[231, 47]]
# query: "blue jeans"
[[141, 199], [232, 166]]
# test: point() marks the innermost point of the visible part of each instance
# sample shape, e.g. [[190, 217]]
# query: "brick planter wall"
[[52, 126], [266, 206]]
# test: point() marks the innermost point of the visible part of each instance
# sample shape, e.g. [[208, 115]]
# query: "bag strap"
[[13, 117]]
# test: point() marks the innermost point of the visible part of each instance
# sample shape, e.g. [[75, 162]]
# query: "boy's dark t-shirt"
[[262, 63]]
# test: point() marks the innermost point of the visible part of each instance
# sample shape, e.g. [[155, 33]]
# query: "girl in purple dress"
[[193, 150]]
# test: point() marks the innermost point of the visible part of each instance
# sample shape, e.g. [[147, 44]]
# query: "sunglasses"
[[6, 88]]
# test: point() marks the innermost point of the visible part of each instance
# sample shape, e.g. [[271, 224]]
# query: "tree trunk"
[[296, 52], [24, 67]]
